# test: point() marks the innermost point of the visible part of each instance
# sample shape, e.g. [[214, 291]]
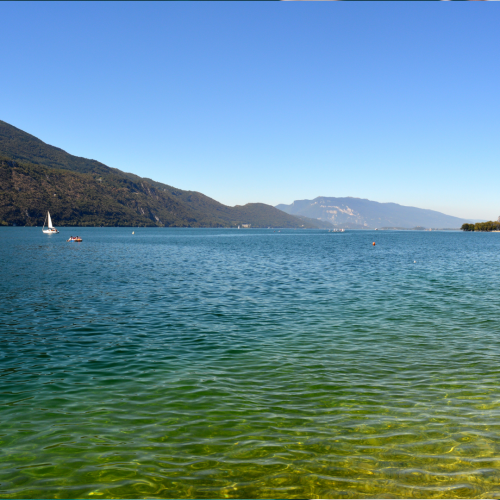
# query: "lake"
[[219, 363]]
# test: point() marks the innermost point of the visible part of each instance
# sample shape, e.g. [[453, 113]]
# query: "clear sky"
[[268, 102]]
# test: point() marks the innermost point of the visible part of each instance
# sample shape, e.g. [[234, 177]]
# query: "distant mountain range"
[[36, 177], [357, 213]]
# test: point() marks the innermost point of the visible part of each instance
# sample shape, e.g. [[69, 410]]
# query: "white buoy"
[[133, 232], [414, 261]]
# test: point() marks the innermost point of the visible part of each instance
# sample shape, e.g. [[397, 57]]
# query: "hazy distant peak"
[[363, 213]]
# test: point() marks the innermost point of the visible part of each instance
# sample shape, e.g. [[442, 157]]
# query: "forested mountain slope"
[[36, 177]]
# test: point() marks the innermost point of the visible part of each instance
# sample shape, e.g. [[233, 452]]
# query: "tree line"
[[482, 226]]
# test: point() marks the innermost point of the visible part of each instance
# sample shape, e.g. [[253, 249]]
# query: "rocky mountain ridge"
[[358, 213]]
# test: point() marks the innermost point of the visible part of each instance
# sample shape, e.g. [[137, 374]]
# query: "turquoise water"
[[194, 363]]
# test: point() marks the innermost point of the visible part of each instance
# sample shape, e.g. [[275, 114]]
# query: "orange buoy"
[[373, 243]]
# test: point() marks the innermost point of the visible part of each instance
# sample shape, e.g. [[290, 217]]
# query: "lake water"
[[197, 363]]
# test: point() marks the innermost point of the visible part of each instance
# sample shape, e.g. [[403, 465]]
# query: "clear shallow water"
[[241, 364]]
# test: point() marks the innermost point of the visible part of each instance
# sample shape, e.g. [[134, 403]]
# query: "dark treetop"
[[482, 226]]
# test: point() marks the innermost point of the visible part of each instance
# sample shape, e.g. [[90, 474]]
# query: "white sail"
[[50, 228]]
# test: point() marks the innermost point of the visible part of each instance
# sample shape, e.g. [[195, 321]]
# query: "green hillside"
[[36, 177], [27, 191], [19, 145]]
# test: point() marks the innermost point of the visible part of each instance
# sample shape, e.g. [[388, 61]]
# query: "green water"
[[179, 363]]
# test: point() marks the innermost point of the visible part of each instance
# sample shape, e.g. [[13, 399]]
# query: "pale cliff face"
[[341, 214]]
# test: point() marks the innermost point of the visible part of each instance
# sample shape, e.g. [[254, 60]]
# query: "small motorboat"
[[75, 238]]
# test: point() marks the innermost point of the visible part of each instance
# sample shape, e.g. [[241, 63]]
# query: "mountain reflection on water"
[[196, 363]]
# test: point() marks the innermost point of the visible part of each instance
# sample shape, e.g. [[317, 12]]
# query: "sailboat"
[[50, 228]]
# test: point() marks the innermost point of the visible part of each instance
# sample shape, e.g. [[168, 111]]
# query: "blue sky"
[[270, 102]]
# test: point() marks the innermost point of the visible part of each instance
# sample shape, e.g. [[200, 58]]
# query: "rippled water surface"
[[194, 363]]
